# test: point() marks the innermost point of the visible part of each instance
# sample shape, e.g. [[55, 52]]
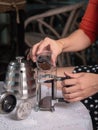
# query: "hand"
[[47, 44], [82, 85]]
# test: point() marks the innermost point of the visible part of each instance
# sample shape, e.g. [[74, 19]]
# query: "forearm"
[[77, 41]]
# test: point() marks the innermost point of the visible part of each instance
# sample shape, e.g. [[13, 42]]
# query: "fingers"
[[28, 54], [71, 93], [75, 75], [33, 51], [71, 89], [53, 58], [43, 45], [50, 45], [46, 44], [35, 48], [77, 94], [72, 97], [70, 82]]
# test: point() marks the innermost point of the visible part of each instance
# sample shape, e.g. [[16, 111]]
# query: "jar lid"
[[8, 102]]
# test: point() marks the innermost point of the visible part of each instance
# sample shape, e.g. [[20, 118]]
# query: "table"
[[67, 116]]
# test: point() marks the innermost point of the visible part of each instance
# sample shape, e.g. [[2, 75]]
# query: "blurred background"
[[18, 32]]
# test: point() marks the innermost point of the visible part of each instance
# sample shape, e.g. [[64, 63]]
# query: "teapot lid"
[[19, 61]]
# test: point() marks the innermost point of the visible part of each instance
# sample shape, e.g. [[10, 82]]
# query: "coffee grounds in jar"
[[44, 65]]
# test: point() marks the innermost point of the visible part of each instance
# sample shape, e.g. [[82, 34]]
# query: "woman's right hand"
[[55, 46]]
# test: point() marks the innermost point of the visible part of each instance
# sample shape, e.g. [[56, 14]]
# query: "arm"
[[87, 32], [77, 41]]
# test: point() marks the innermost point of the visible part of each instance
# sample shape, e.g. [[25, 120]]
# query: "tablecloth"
[[67, 116]]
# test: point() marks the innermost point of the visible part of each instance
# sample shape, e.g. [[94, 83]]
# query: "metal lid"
[[20, 62], [8, 102]]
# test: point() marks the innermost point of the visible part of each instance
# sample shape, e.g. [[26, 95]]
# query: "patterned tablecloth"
[[71, 116]]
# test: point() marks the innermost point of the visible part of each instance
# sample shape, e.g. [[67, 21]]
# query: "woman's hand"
[[82, 85], [54, 46]]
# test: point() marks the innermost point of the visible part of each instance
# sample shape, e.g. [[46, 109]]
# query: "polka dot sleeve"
[[89, 69], [91, 102]]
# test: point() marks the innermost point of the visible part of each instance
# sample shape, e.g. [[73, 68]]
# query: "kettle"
[[20, 78]]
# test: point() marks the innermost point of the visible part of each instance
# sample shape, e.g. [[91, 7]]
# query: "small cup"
[[44, 61]]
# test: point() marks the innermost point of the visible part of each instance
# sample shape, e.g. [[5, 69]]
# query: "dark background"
[[12, 33]]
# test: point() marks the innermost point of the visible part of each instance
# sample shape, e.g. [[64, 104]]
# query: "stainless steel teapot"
[[20, 78]]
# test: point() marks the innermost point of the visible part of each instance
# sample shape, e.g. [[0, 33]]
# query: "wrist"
[[61, 44]]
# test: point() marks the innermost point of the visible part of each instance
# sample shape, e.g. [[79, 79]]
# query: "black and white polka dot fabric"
[[91, 103]]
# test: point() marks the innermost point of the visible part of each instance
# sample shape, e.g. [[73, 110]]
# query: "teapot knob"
[[19, 58]]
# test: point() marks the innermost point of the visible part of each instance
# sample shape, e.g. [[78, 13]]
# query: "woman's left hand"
[[82, 85]]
